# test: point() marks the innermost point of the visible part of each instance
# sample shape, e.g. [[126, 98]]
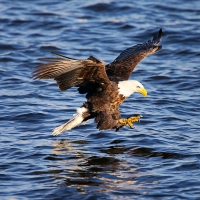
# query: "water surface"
[[158, 159]]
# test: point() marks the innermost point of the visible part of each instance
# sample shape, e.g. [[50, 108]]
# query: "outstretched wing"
[[69, 72], [122, 67]]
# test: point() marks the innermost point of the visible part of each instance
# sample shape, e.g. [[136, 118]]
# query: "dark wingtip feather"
[[63, 57], [158, 36], [34, 75], [160, 33], [50, 59]]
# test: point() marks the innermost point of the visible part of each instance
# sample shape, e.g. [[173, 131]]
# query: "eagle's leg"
[[128, 121]]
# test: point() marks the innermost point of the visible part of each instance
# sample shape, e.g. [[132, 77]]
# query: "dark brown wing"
[[69, 72], [122, 67]]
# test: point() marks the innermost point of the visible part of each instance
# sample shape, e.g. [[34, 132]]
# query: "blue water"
[[158, 159]]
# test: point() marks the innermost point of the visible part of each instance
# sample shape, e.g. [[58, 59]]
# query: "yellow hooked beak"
[[143, 92]]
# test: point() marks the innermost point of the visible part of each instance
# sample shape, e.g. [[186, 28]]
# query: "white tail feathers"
[[75, 121]]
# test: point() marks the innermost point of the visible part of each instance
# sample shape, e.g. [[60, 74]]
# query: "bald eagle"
[[105, 86]]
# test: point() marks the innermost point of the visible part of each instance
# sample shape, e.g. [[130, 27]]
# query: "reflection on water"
[[82, 169]]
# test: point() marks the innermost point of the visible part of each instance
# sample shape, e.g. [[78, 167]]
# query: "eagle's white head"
[[126, 88]]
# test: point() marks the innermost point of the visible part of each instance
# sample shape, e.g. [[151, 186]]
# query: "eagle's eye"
[[138, 86]]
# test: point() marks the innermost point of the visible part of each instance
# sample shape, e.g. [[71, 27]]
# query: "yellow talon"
[[134, 119], [130, 124], [129, 121]]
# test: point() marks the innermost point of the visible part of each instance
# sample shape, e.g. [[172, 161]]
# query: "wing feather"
[[122, 67], [69, 72]]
